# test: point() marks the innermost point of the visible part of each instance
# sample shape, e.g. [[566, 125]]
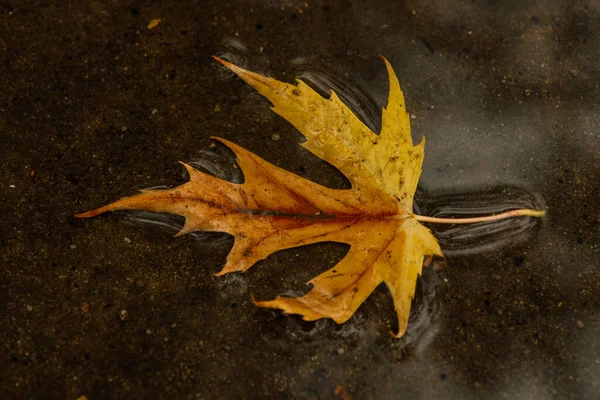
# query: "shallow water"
[[455, 240], [94, 104]]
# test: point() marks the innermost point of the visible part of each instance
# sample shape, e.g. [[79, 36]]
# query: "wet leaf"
[[275, 209]]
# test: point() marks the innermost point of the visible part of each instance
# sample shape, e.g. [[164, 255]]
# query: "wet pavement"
[[95, 106]]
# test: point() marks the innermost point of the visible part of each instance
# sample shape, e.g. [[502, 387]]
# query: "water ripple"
[[479, 237]]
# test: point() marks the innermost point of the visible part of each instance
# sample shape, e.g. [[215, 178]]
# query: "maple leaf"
[[274, 209]]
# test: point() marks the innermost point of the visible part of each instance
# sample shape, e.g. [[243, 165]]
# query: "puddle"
[[454, 239]]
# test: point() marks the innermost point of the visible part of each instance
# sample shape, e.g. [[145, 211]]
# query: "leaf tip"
[[383, 58], [87, 214], [220, 60], [276, 303], [92, 213], [218, 139], [387, 64], [400, 333], [190, 170], [180, 233], [234, 68]]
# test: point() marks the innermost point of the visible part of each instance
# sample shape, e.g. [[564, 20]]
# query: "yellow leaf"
[[275, 209]]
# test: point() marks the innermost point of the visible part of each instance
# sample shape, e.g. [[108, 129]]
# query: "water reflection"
[[323, 81], [484, 236], [234, 51], [171, 223], [220, 162], [361, 331]]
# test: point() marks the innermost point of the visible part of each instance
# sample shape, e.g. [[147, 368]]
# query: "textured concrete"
[[94, 106]]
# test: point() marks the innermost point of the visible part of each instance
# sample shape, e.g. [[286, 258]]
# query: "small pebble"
[[341, 351], [123, 315], [73, 247], [29, 308], [123, 128], [154, 23], [127, 240], [276, 137], [579, 324], [148, 332], [154, 111]]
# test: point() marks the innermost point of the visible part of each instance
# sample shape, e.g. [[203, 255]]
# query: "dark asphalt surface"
[[95, 106]]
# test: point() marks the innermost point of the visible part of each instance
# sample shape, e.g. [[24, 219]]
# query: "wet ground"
[[95, 106]]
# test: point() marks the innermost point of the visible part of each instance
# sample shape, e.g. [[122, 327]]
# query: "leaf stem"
[[523, 212]]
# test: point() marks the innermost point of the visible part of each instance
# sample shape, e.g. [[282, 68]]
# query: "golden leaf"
[[274, 209]]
